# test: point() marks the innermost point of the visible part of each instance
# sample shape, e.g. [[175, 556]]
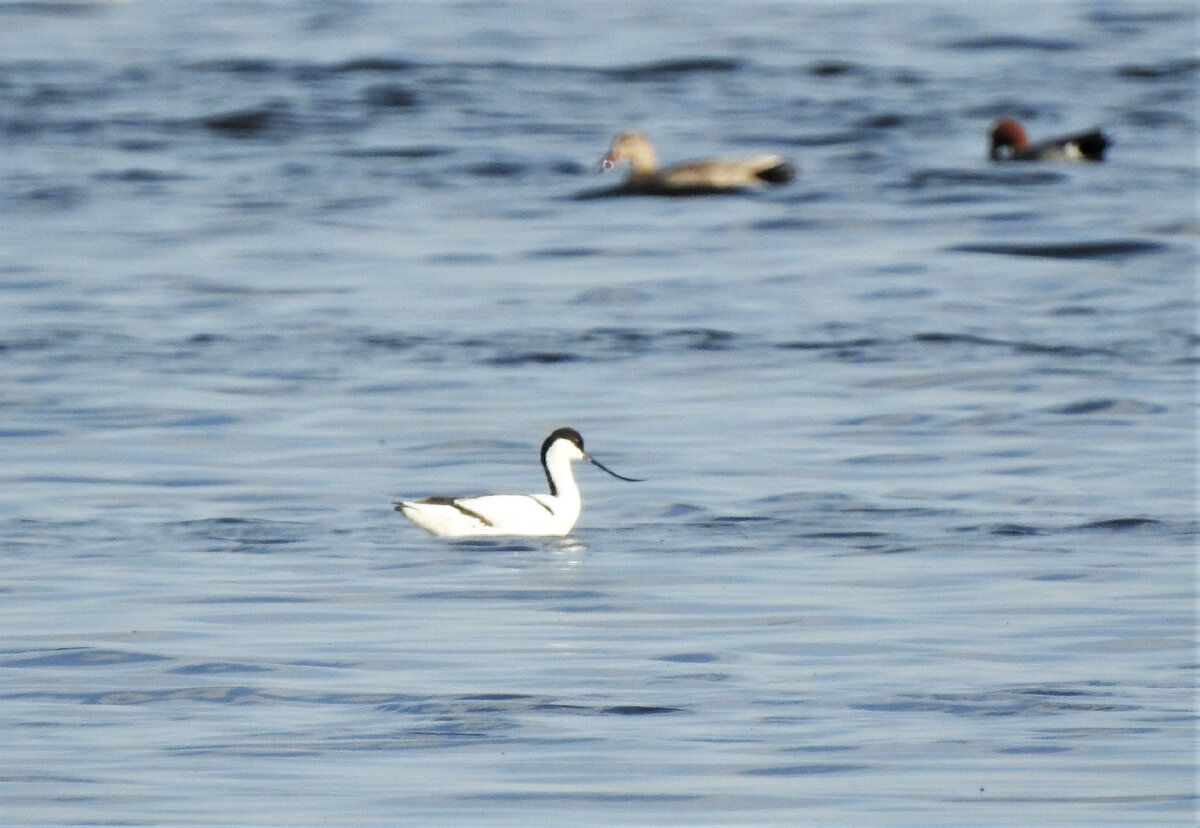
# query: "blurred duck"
[[1010, 143], [704, 176]]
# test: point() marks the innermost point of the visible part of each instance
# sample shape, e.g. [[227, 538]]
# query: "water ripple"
[[1106, 249]]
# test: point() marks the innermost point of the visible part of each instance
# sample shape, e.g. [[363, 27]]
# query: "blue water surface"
[[917, 541]]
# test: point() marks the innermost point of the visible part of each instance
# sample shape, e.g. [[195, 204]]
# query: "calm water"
[[917, 544]]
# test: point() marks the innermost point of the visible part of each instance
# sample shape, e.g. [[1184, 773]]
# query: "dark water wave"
[[1108, 405], [53, 8], [550, 347], [139, 175], [659, 70], [1112, 525], [407, 152], [248, 123], [1020, 347], [1141, 14], [834, 68], [1103, 249], [1121, 524], [79, 657], [1021, 700], [1008, 43], [1158, 71], [244, 534], [808, 769], [385, 65], [488, 711], [621, 343]]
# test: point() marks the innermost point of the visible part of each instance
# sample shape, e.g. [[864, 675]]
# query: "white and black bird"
[[531, 515]]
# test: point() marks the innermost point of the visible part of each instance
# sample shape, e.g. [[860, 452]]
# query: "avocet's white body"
[[530, 515]]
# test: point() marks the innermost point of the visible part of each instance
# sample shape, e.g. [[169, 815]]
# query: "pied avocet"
[[540, 514]]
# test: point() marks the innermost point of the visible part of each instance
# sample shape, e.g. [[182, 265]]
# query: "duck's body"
[[530, 515], [1010, 143], [707, 175]]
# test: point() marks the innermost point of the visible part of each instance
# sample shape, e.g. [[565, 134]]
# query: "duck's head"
[[633, 147], [1008, 138]]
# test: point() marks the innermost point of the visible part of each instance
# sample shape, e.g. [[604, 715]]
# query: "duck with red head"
[[1010, 143]]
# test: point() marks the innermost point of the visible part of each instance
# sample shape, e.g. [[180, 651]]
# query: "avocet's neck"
[[567, 501], [559, 473]]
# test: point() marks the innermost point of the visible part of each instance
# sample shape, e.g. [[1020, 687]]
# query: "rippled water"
[[917, 544]]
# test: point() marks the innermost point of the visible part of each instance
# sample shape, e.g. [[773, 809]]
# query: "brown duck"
[[710, 175]]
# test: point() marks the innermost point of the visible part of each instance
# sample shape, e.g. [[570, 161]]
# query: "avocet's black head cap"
[[568, 434]]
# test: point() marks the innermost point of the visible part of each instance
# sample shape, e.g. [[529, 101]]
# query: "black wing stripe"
[[541, 503], [449, 501]]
